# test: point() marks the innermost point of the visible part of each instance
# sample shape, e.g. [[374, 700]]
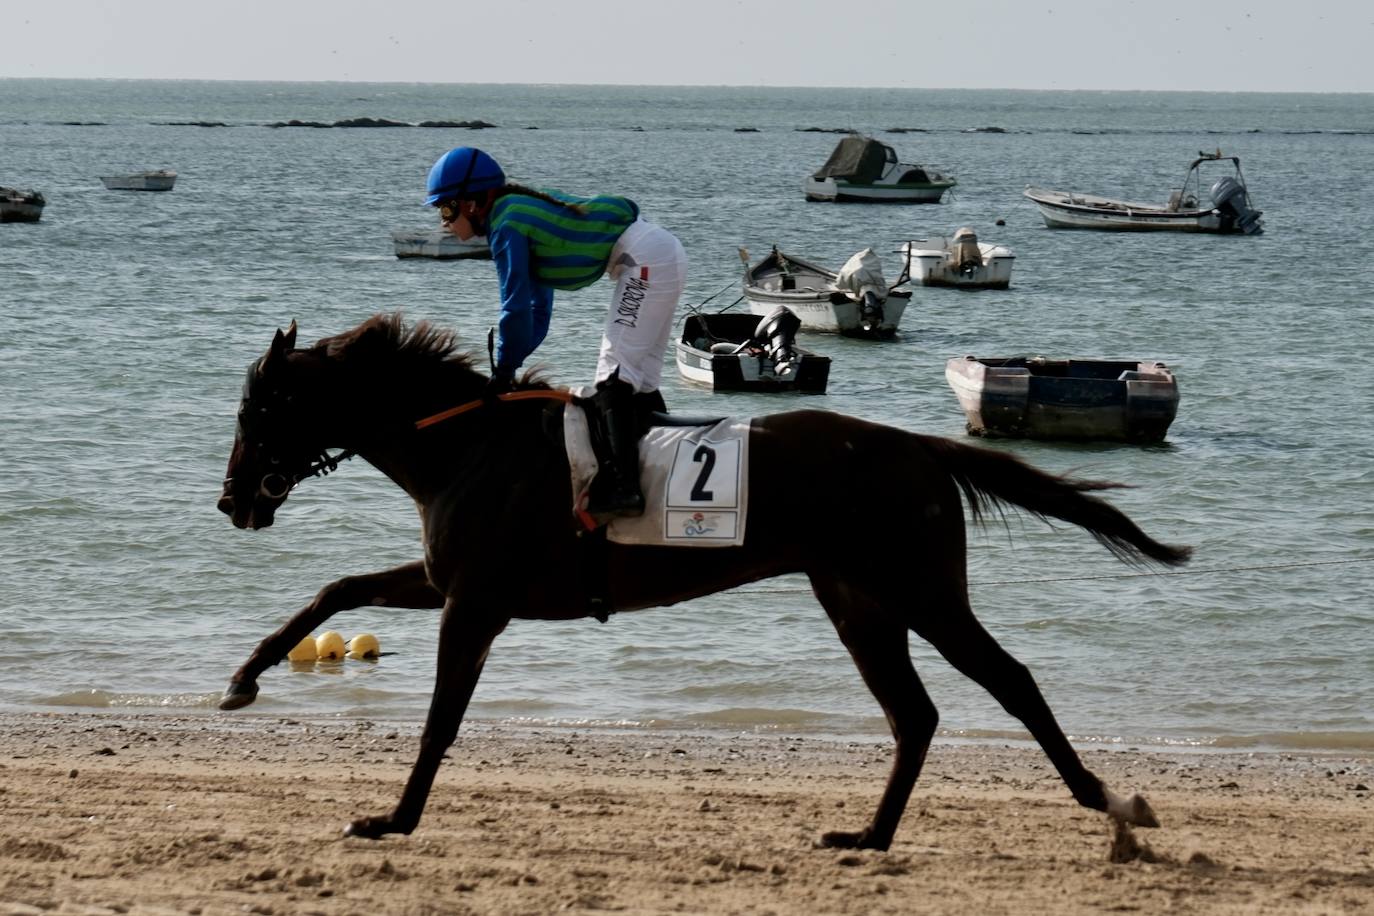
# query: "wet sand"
[[220, 814]]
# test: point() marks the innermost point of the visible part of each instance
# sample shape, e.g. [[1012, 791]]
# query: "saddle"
[[593, 536]]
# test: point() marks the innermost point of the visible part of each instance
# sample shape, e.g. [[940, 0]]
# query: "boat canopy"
[[859, 159]]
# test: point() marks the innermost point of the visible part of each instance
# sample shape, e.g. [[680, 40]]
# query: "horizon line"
[[572, 85]]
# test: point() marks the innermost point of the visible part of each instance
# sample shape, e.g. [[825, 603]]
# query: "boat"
[[437, 243], [855, 300], [733, 351], [960, 261], [1082, 399], [18, 206], [159, 180], [1228, 208], [864, 170]]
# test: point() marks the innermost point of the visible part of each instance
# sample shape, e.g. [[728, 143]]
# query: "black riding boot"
[[616, 491]]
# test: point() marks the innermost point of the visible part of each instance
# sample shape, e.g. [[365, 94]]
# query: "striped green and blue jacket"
[[538, 247]]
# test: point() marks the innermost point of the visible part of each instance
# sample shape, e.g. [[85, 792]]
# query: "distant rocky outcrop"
[[469, 125], [746, 130], [825, 130], [371, 122], [383, 122], [905, 130], [347, 122], [190, 124]]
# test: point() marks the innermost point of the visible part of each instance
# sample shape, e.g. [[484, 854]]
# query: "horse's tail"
[[990, 479]]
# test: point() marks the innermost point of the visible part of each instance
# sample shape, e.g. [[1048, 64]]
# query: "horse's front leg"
[[465, 636], [404, 586]]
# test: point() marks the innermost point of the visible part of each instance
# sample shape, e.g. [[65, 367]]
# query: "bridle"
[[256, 411]]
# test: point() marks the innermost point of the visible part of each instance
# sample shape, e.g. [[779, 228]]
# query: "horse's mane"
[[421, 347]]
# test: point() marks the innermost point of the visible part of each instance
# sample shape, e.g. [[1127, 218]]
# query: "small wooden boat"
[[960, 261], [855, 300], [438, 244], [18, 206], [738, 352], [1040, 398], [159, 180], [1229, 209], [864, 170]]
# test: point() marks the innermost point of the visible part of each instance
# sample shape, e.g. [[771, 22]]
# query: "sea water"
[[129, 318]]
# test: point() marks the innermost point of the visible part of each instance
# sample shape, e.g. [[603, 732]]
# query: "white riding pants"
[[649, 268]]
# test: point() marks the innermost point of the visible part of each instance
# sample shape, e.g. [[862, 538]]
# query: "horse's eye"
[[274, 460]]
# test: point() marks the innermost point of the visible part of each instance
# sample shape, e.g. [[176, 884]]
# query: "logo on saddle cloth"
[[695, 481]]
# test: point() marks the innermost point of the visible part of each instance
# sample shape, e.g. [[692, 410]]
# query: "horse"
[[490, 478]]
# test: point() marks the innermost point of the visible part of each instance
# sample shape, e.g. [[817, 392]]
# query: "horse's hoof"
[[367, 828], [846, 839], [238, 695], [1134, 810], [1142, 815]]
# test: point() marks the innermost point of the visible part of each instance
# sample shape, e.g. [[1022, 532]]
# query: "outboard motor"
[[1230, 198], [964, 246], [861, 279], [777, 335], [870, 311]]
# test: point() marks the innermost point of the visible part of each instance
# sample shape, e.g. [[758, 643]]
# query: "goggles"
[[448, 211]]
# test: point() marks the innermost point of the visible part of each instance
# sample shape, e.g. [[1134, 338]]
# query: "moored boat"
[[864, 170], [157, 180], [1078, 399], [730, 351], [438, 244], [18, 206], [1227, 208], [855, 300], [960, 261]]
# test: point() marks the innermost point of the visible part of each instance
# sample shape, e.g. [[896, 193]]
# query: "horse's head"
[[274, 443]]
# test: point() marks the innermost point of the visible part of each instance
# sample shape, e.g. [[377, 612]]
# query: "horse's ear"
[[282, 344]]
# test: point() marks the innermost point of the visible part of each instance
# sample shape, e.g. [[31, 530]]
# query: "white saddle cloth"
[[695, 481]]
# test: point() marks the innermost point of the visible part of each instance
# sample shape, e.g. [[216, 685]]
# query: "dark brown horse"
[[492, 486]]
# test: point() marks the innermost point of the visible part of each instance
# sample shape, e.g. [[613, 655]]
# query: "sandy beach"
[[154, 814]]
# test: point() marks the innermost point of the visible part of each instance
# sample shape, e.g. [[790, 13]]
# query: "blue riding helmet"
[[462, 172]]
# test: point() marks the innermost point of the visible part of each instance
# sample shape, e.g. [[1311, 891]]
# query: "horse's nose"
[[226, 504]]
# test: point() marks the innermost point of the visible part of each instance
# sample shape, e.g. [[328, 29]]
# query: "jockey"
[[545, 240]]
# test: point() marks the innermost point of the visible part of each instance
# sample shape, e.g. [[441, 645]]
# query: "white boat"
[[438, 244], [960, 261], [855, 300], [732, 351], [159, 180], [864, 170], [1228, 208], [1076, 399], [18, 206]]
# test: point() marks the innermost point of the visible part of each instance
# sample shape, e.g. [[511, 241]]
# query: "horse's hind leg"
[[953, 630], [877, 640], [403, 586]]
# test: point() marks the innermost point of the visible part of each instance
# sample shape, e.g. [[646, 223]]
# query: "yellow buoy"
[[304, 651], [364, 645], [329, 644]]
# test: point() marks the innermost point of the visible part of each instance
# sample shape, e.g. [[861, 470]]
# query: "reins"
[[566, 397], [327, 463]]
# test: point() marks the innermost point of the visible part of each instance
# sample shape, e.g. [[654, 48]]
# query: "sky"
[[1259, 45]]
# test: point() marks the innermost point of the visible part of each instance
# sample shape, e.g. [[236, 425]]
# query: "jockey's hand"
[[501, 381]]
